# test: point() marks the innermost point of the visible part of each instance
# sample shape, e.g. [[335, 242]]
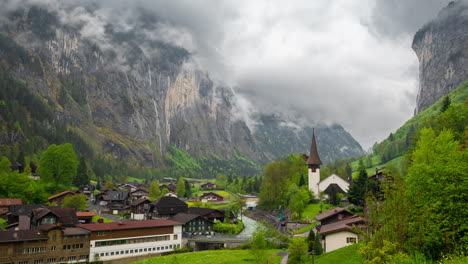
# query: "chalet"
[[208, 213], [193, 224], [139, 193], [166, 207], [85, 217], [119, 240], [211, 196], [342, 233], [334, 215], [139, 209], [208, 186], [86, 190], [50, 244], [171, 187], [19, 216], [128, 187], [59, 197], [5, 204], [171, 194], [65, 217]]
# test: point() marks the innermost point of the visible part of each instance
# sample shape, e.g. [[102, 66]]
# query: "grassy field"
[[346, 255], [371, 171], [305, 229], [314, 209], [211, 256], [95, 219]]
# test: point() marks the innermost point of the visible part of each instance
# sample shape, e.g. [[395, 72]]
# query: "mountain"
[[442, 50], [129, 94]]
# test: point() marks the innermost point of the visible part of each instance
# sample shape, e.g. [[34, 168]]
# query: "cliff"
[[442, 50], [128, 95]]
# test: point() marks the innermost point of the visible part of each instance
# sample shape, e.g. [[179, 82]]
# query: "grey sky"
[[343, 61]]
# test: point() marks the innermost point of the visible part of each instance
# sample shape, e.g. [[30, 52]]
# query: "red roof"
[[85, 214], [60, 194], [10, 201], [128, 225]]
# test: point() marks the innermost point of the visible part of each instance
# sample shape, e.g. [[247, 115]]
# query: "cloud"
[[341, 61]]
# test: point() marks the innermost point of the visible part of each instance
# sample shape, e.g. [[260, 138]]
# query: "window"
[[83, 256], [71, 258], [54, 237], [102, 254], [53, 248], [175, 237], [38, 261], [126, 251], [170, 246], [100, 233], [23, 262], [121, 252], [51, 260], [351, 240], [62, 259], [131, 251], [112, 253]]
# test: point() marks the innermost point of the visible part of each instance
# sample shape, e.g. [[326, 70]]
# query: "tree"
[[358, 189], [82, 177], [299, 201], [445, 104], [5, 165], [154, 191], [314, 243], [180, 189], [273, 188], [58, 165], [298, 251], [258, 247], [188, 189], [76, 201]]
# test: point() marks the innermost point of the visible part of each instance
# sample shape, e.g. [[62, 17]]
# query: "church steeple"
[[314, 160]]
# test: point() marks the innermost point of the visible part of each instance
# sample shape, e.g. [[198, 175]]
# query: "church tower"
[[313, 162]]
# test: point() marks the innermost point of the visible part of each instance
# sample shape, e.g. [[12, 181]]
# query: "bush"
[[228, 228]]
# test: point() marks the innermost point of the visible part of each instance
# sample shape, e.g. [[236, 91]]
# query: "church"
[[332, 182]]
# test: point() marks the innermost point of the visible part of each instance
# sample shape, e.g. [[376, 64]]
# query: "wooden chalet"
[[171, 187], [139, 209], [211, 196], [139, 193], [193, 224], [65, 217], [208, 213], [59, 197], [334, 215], [166, 207], [208, 186]]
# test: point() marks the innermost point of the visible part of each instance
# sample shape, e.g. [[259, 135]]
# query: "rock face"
[[442, 50], [130, 96]]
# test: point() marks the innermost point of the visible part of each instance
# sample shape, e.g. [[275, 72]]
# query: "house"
[[139, 193], [171, 194], [50, 244], [166, 207], [342, 233], [170, 187], [139, 209], [315, 184], [86, 190], [19, 216], [5, 204], [334, 215], [119, 240], [169, 180], [211, 196], [85, 217], [59, 197], [65, 217], [16, 166], [193, 224], [208, 186], [128, 187], [208, 213]]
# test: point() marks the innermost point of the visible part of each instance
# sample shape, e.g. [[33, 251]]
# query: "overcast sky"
[[343, 61]]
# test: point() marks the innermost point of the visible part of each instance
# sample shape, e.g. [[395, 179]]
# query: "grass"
[[305, 229], [371, 171], [211, 256], [346, 255], [314, 209], [132, 179], [95, 219]]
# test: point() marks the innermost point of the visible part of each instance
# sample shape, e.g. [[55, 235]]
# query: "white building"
[[340, 234], [331, 182], [110, 241]]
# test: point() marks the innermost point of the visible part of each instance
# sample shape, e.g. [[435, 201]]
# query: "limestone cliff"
[[442, 50], [128, 95]]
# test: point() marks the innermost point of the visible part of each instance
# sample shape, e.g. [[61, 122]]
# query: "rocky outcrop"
[[132, 101], [442, 50]]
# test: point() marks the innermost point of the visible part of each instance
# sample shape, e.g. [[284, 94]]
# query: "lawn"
[[95, 219], [346, 255], [211, 256], [314, 209]]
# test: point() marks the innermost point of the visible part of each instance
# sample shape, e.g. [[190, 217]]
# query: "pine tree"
[[188, 189], [358, 189], [445, 104], [82, 177]]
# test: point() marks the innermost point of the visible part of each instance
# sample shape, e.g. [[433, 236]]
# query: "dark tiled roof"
[[211, 193], [118, 195], [202, 211], [329, 213], [24, 209], [139, 201], [345, 225], [61, 194], [10, 201], [21, 235], [169, 206], [314, 158], [128, 225], [184, 218], [66, 216]]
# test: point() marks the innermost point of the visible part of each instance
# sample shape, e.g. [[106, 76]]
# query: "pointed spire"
[[314, 159]]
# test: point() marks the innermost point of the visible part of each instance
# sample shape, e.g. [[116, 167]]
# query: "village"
[[122, 223]]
